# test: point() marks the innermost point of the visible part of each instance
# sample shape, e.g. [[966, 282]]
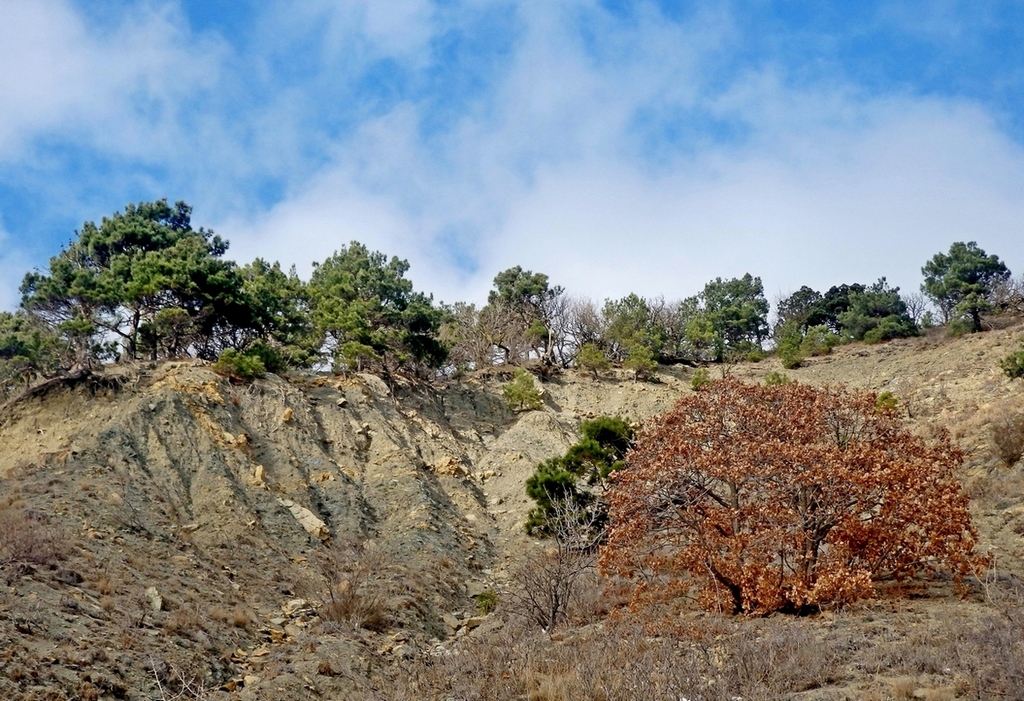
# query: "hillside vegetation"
[[222, 481], [171, 533]]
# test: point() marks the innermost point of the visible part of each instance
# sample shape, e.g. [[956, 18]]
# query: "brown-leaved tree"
[[784, 498]]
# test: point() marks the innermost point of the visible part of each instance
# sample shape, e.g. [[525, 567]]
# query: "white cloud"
[[118, 87], [831, 185]]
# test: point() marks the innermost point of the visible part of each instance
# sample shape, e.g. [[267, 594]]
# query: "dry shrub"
[[184, 620], [714, 660], [1008, 439], [356, 587], [27, 539], [550, 585], [903, 688], [240, 617]]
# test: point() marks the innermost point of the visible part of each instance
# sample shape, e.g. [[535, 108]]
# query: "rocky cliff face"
[[234, 502]]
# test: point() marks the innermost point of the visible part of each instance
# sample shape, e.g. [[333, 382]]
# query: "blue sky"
[[617, 146]]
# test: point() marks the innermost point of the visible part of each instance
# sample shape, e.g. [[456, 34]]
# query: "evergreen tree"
[[961, 282]]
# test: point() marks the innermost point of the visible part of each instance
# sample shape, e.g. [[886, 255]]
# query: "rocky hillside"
[[165, 533]]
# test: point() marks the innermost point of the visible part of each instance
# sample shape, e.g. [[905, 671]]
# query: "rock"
[[451, 621], [474, 622], [286, 416], [448, 466], [156, 602], [290, 608], [475, 588], [342, 403], [258, 474], [278, 621], [307, 519], [250, 680], [402, 651]]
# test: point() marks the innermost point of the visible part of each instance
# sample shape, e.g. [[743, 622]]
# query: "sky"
[[615, 146]]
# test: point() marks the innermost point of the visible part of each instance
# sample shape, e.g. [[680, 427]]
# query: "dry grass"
[[357, 588], [1008, 439], [28, 539]]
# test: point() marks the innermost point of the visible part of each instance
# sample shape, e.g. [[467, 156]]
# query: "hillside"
[[178, 531]]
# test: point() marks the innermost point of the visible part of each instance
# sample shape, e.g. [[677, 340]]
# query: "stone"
[[402, 651], [290, 608], [451, 621], [474, 622], [307, 519], [286, 416], [156, 602]]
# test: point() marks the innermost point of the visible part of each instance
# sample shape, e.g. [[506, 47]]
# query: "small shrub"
[[521, 393], [773, 379], [546, 585], [886, 402], [754, 355], [355, 356], [788, 341], [889, 328], [591, 359], [959, 327], [819, 341], [700, 379], [355, 596], [272, 359], [1008, 438], [486, 601], [1013, 365], [641, 361], [790, 359], [27, 539], [239, 366]]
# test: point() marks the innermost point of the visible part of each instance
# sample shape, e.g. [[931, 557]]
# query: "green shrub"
[[886, 402], [700, 379], [354, 356], [1013, 364], [521, 393], [486, 601], [239, 366], [562, 487], [959, 327], [819, 340], [591, 359], [641, 361], [889, 328], [773, 379], [273, 360]]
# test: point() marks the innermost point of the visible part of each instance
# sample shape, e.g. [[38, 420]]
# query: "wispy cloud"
[[617, 150]]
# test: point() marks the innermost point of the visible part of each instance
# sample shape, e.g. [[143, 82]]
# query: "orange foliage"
[[785, 498]]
